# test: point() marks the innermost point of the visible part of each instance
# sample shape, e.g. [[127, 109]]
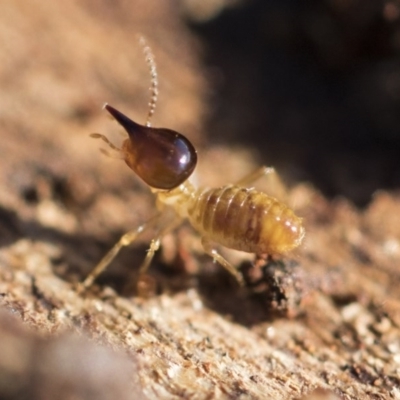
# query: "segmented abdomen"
[[246, 220]]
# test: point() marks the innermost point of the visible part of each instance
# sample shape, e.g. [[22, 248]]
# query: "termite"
[[234, 216]]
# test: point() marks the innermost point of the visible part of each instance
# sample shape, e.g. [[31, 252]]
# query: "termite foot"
[[82, 289], [146, 286]]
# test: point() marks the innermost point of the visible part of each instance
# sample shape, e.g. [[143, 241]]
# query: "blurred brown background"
[[314, 86]]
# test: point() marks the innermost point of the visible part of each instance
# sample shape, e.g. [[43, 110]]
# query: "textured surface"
[[324, 323]]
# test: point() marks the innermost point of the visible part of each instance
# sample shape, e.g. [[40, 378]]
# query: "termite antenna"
[[150, 60]]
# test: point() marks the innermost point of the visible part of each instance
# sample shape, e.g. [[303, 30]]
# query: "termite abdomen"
[[247, 220], [161, 157]]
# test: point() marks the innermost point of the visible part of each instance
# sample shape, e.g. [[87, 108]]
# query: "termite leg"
[[211, 251], [155, 244], [273, 180], [125, 240], [255, 175]]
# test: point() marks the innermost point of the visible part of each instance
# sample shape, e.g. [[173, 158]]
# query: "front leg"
[[125, 240]]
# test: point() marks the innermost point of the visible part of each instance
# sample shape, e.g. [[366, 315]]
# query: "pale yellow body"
[[232, 216], [238, 218]]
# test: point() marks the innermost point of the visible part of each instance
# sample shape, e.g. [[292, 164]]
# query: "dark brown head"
[[161, 157]]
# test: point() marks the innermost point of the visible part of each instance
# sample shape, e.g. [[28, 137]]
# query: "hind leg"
[[211, 251], [273, 181]]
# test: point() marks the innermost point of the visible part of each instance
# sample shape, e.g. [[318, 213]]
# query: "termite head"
[[161, 157]]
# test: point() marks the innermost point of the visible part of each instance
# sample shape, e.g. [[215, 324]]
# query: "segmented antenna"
[[149, 56]]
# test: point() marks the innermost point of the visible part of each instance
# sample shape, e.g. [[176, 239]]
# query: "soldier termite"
[[233, 215]]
